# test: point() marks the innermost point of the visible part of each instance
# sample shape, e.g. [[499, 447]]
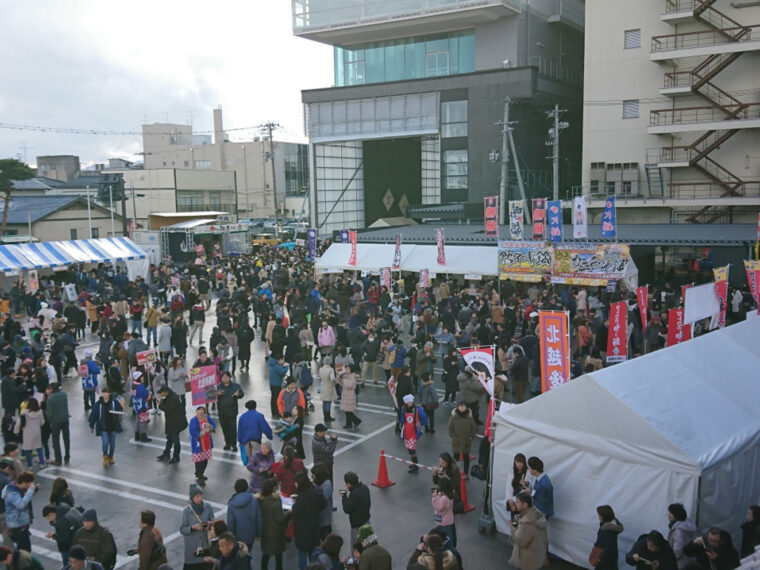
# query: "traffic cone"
[[382, 473], [463, 494]]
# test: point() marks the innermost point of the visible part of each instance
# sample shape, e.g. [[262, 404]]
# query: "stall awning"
[[14, 257]]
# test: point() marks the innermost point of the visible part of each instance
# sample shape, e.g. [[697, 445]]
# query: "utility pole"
[[554, 143], [110, 196], [134, 210], [269, 127], [506, 127], [89, 214]]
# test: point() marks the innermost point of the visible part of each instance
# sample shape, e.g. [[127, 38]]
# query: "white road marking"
[[130, 484], [185, 452], [54, 554]]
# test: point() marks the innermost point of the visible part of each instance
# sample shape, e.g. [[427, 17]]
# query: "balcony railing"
[[554, 69], [672, 6], [704, 38], [673, 191], [312, 15], [693, 115]]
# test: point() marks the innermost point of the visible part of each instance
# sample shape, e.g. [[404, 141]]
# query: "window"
[[632, 39], [631, 109], [594, 186], [95, 233], [355, 73], [455, 169], [627, 188], [454, 119], [187, 163], [73, 233], [203, 164], [610, 188], [437, 64]]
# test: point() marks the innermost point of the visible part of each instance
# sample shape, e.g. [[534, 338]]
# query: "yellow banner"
[[721, 274]]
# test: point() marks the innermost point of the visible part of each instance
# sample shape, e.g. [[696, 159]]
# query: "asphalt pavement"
[[400, 514]]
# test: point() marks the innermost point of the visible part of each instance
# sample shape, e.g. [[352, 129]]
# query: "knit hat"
[[90, 515], [408, 399], [77, 553], [366, 536], [195, 490]]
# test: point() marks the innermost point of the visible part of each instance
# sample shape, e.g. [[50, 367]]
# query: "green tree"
[[10, 170]]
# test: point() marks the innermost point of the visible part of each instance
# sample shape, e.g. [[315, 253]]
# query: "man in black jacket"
[[174, 424], [229, 393], [66, 520], [356, 503], [713, 551]]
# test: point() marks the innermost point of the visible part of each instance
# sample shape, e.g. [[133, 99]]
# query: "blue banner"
[[554, 218], [311, 238], [609, 225], [344, 236]]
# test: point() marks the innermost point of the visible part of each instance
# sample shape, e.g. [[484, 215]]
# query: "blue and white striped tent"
[[19, 256]]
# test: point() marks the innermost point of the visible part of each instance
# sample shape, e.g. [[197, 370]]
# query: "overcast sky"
[[99, 64]]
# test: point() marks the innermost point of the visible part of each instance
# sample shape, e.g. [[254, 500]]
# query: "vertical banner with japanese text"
[[753, 278], [515, 219], [33, 280], [385, 277], [678, 331], [441, 248], [643, 302], [609, 223], [554, 344], [344, 237], [580, 220], [352, 237], [397, 254], [617, 344], [554, 217], [480, 359], [721, 291], [311, 238], [424, 279], [490, 215], [539, 218]]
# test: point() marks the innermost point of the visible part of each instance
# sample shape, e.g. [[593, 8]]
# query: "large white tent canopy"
[[678, 425], [460, 259]]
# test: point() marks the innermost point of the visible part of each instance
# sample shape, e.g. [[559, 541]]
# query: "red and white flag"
[[480, 359], [617, 345], [352, 239], [643, 301], [678, 331], [753, 278], [441, 248], [721, 291]]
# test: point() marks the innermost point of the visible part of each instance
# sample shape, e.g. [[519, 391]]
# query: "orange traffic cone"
[[463, 494], [382, 473]]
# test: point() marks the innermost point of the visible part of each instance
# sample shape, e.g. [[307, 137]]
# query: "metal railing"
[[554, 69], [704, 38], [696, 190], [313, 15], [693, 115]]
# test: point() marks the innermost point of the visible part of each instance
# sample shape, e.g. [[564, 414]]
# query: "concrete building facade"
[[174, 146], [63, 167], [672, 110], [419, 86]]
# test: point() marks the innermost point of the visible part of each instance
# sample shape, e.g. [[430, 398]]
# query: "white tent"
[[369, 257], [678, 425], [460, 260]]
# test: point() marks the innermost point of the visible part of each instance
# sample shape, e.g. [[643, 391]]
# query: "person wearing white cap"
[[413, 419]]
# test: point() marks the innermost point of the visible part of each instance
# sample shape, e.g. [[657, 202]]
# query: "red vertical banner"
[[643, 301], [554, 342], [539, 219], [490, 213], [352, 239], [441, 248], [753, 278], [424, 279], [677, 330], [397, 254], [683, 292], [721, 291], [617, 345]]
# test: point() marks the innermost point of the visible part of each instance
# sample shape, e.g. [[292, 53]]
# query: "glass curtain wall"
[[409, 58], [431, 170], [339, 165]]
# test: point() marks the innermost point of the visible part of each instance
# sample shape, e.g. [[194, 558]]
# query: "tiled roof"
[[23, 208]]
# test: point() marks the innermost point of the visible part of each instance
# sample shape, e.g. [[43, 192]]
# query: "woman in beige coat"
[[327, 389], [31, 438], [348, 380]]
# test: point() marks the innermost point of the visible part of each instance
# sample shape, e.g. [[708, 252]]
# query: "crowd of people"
[[330, 337]]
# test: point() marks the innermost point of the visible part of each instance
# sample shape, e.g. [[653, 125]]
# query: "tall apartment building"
[[419, 86], [175, 146], [672, 110]]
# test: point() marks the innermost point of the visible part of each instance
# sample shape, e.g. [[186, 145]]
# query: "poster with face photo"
[[480, 359]]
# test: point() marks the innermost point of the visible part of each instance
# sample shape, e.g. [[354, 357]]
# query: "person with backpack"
[[150, 544], [66, 521], [89, 371], [97, 541]]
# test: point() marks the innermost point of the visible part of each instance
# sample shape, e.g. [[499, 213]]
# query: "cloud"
[[95, 65]]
